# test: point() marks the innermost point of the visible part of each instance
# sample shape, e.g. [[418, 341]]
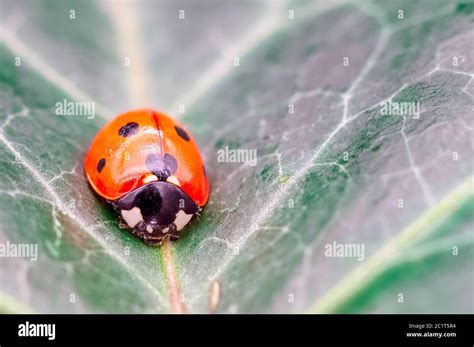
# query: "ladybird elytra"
[[148, 166]]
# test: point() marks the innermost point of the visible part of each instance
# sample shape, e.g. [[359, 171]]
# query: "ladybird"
[[149, 168]]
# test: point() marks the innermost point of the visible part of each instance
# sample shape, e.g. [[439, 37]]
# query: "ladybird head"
[[156, 210]]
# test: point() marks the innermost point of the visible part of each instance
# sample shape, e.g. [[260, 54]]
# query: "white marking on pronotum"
[[182, 219], [149, 229], [173, 180], [132, 217]]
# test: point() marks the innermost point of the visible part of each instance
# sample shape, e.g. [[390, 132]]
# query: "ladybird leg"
[[198, 212], [122, 224], [173, 232]]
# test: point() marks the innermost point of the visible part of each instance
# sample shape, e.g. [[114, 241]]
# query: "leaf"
[[335, 170]]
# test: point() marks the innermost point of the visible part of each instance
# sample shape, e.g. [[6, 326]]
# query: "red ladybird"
[[149, 168]]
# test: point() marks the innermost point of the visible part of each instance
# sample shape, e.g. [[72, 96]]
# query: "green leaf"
[[331, 166]]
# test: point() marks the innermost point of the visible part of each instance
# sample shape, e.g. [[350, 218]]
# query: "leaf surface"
[[330, 166]]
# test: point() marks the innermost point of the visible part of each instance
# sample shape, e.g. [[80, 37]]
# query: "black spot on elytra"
[[128, 129], [161, 168], [100, 165], [182, 133]]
